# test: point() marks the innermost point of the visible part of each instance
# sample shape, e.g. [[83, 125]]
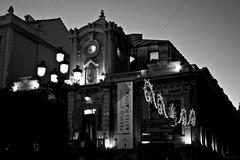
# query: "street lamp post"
[[59, 88]]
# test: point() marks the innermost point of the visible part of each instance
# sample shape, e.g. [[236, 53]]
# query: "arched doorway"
[[89, 126]]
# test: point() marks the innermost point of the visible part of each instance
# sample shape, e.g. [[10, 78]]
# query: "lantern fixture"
[[77, 73], [60, 55], [41, 69], [54, 76], [64, 65]]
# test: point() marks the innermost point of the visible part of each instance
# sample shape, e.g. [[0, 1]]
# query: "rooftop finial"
[[102, 14], [11, 10]]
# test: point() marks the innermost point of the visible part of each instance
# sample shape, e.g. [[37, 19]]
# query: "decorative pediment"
[[90, 62]]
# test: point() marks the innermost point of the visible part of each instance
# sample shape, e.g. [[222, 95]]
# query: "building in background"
[[136, 98], [31, 123], [25, 43]]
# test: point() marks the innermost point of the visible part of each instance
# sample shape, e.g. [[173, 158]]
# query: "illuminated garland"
[[158, 102]]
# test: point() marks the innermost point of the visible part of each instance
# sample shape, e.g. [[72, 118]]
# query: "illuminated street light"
[[54, 76], [64, 65], [178, 67], [58, 88], [77, 73], [60, 55], [41, 69]]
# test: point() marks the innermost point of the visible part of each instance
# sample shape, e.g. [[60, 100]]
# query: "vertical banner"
[[125, 115]]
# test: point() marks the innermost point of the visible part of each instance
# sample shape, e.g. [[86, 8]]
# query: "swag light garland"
[[158, 102]]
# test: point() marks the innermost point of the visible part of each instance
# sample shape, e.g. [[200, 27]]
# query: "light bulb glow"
[[59, 57], [187, 137], [178, 68], [145, 142], [131, 59], [89, 111], [187, 140], [41, 71], [64, 68], [109, 143], [77, 75], [54, 78]]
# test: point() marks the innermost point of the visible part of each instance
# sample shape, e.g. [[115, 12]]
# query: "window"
[[89, 111], [154, 55], [118, 53], [146, 138], [131, 59], [163, 50], [99, 139], [201, 135]]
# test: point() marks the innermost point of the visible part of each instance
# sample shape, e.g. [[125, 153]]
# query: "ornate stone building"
[[141, 99], [136, 99]]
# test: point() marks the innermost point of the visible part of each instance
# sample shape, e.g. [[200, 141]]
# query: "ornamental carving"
[[91, 72]]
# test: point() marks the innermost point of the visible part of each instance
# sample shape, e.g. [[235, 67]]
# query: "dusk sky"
[[206, 32]]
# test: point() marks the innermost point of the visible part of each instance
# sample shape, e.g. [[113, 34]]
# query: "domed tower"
[[99, 48]]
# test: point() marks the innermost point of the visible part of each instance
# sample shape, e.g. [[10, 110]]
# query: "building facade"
[[25, 43], [136, 99], [141, 99]]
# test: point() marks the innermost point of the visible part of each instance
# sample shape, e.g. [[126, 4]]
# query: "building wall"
[[174, 91], [154, 133], [54, 32], [6, 43], [26, 54], [216, 110], [24, 44], [142, 49], [23, 56]]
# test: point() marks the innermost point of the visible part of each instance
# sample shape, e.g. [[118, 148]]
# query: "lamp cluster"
[[63, 66]]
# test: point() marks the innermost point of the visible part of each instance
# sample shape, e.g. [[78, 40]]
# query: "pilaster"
[[106, 113], [7, 52]]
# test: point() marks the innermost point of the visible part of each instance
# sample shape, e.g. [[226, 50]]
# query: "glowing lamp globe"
[[77, 72], [60, 55], [64, 67], [41, 69], [54, 76]]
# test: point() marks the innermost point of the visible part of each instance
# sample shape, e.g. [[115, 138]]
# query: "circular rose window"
[[91, 48]]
